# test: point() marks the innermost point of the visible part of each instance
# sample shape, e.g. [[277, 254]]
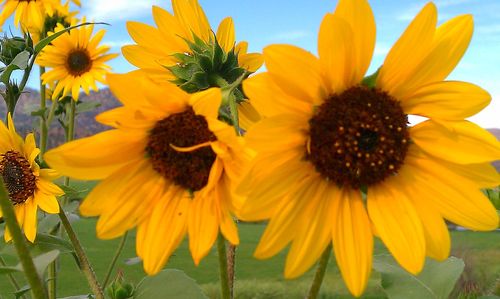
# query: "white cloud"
[[290, 35], [113, 10], [381, 49], [119, 43]]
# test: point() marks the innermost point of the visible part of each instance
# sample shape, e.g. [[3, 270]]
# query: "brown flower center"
[[78, 62], [358, 138], [191, 168], [17, 176]]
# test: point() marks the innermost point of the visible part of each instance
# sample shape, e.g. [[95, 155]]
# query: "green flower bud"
[[10, 47]]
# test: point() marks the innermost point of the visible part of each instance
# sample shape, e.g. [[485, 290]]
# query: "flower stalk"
[[34, 280], [223, 274], [320, 274], [113, 262]]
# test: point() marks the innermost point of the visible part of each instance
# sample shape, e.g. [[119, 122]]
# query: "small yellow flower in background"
[[168, 167], [29, 15], [29, 187], [327, 139], [76, 60]]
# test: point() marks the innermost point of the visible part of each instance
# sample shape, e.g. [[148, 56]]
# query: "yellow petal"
[[454, 197], [164, 230], [147, 37], [359, 16], [203, 226], [352, 239], [30, 223], [110, 150], [248, 115], [470, 143], [207, 102], [251, 61], [295, 71], [225, 34], [408, 51], [283, 226], [172, 30], [223, 200], [191, 16], [450, 100], [398, 225], [47, 202], [261, 87], [314, 232]]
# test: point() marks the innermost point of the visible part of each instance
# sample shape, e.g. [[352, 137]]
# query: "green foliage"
[[436, 281], [494, 196], [168, 284], [371, 80], [20, 62]]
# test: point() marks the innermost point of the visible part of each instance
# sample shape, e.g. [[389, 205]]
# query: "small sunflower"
[[168, 167], [29, 187], [159, 48], [183, 49], [328, 141], [77, 61], [29, 14]]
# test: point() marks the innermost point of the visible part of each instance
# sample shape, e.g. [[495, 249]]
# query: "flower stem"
[[320, 274], [224, 281], [70, 134], [115, 258], [43, 122], [82, 256], [35, 282]]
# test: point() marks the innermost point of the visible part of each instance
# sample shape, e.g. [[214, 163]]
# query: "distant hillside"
[[87, 125]]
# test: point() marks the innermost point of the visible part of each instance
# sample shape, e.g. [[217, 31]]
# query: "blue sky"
[[263, 22]]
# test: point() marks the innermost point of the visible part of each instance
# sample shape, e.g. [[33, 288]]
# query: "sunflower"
[[77, 61], [168, 167], [29, 187], [336, 161], [171, 51], [29, 14]]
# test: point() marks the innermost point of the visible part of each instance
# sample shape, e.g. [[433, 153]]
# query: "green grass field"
[[255, 278]]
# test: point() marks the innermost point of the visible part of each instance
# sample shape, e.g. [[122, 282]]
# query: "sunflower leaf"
[[20, 62], [169, 284], [436, 281]]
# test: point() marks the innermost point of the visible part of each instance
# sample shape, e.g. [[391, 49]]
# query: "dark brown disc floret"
[[359, 137], [78, 62], [189, 169], [17, 176]]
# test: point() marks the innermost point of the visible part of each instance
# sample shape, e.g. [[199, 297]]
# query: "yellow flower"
[[328, 140], [29, 186], [29, 14], [168, 167], [77, 61], [156, 47]]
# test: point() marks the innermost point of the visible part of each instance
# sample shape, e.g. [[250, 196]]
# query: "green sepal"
[[371, 80]]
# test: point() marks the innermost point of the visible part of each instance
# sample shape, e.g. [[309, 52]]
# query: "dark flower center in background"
[[358, 138], [17, 176], [189, 169], [78, 62]]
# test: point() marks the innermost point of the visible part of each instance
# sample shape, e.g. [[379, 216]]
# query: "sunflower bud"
[[206, 65], [10, 47], [119, 289]]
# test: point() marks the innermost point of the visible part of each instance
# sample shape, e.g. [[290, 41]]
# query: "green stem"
[[82, 256], [52, 111], [71, 129], [320, 274], [51, 280], [43, 123], [224, 279], [35, 282], [113, 262]]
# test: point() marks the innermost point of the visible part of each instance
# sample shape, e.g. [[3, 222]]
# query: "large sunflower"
[[329, 140], [29, 14], [29, 187], [168, 167], [77, 61]]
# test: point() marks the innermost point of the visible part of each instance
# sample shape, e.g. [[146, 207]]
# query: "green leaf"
[[86, 106], [8, 270], [42, 261], [489, 297], [20, 62], [47, 243], [44, 42], [371, 80], [169, 284], [436, 281], [88, 296]]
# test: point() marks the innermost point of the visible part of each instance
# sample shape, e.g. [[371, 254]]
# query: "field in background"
[[257, 279]]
